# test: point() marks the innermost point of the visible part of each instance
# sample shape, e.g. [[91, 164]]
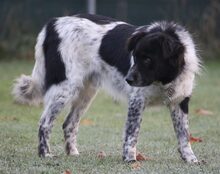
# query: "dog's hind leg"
[[71, 124], [179, 114], [55, 100], [132, 127]]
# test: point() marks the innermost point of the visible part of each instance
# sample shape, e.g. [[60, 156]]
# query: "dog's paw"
[[129, 160], [129, 153], [72, 151], [49, 155], [188, 156], [129, 156], [191, 159], [46, 155], [202, 162]]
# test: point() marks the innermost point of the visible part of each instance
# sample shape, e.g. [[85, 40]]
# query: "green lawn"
[[19, 125]]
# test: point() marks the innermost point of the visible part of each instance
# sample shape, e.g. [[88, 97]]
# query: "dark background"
[[21, 20]]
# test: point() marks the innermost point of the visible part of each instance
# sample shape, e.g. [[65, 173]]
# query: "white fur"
[[31, 93]]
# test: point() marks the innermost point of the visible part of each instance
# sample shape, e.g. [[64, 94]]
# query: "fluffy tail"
[[27, 91], [30, 89]]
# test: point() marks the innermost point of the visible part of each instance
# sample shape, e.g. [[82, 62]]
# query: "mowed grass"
[[103, 132]]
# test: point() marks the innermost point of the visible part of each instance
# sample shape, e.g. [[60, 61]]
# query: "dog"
[[77, 55]]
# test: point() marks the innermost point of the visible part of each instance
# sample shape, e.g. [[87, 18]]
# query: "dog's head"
[[158, 56]]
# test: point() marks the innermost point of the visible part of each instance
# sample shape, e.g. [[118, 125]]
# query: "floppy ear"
[[173, 50], [179, 54], [132, 41]]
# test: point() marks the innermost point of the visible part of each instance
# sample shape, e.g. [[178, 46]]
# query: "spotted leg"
[[71, 124], [55, 100], [179, 114], [136, 107]]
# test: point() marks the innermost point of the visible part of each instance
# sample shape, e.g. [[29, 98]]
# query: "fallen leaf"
[[194, 139], [67, 172], [135, 165], [141, 157], [87, 122], [101, 155], [203, 112], [8, 118]]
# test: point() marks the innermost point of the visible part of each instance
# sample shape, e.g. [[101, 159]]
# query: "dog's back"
[[78, 47]]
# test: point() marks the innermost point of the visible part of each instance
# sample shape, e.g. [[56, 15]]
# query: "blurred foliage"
[[21, 20]]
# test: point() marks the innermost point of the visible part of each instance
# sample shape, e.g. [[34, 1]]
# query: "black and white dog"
[[77, 55]]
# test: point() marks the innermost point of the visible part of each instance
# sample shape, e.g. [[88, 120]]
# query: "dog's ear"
[[132, 41], [178, 55], [173, 50], [171, 47]]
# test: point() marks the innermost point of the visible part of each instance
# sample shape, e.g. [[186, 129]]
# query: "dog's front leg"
[[136, 107], [179, 114]]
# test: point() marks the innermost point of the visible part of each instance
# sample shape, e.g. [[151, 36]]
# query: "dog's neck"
[[175, 91]]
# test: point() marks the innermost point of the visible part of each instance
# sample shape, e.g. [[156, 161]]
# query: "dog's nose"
[[129, 80]]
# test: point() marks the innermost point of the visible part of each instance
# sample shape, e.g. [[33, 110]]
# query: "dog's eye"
[[147, 60]]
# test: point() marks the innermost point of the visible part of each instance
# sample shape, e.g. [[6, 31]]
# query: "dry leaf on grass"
[[67, 172], [87, 122], [194, 139], [135, 165], [203, 112], [141, 157], [8, 118], [101, 155]]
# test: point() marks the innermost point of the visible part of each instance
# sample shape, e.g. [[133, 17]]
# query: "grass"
[[19, 125]]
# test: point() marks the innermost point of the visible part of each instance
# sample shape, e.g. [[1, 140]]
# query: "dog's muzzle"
[[131, 77], [129, 80]]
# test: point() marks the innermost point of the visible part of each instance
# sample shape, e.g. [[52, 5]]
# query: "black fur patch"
[[55, 69], [184, 105], [113, 47], [98, 19]]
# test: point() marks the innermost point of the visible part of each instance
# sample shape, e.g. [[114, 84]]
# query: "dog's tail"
[[30, 89]]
